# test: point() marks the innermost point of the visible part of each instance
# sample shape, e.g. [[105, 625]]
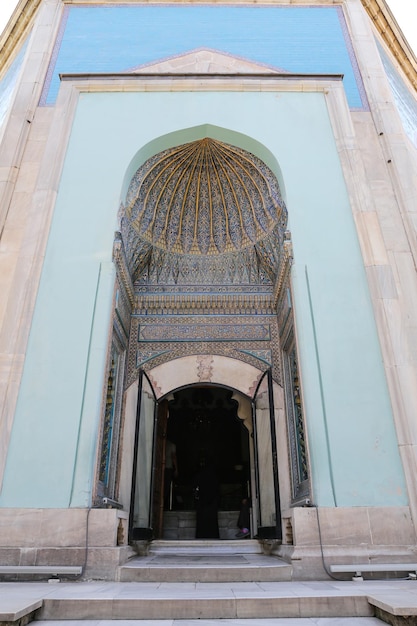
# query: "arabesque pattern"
[[204, 197], [202, 211]]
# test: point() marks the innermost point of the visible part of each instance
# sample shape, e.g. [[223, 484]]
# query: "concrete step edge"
[[232, 607]]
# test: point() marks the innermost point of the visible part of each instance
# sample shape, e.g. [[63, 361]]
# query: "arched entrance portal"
[[203, 301], [225, 444]]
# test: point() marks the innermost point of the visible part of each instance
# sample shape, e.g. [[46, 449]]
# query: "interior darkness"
[[204, 425]]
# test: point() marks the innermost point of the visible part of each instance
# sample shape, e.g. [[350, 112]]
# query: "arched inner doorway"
[[203, 415], [211, 443]]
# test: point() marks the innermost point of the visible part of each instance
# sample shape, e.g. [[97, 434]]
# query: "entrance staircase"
[[205, 560], [185, 582]]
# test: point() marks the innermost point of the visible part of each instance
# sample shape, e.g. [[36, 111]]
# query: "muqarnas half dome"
[[204, 199]]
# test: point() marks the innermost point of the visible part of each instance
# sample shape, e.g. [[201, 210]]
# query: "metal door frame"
[[138, 533], [267, 532]]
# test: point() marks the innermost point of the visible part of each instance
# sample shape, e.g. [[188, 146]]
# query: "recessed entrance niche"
[[203, 259], [204, 425]]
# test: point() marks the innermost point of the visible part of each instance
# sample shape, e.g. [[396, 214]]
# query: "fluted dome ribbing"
[[203, 198]]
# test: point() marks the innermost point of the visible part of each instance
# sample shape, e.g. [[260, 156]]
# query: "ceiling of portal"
[[204, 197], [207, 204]]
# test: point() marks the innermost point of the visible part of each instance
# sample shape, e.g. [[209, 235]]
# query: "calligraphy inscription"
[[204, 332]]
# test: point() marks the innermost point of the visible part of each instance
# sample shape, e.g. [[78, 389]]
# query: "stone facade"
[[314, 289]]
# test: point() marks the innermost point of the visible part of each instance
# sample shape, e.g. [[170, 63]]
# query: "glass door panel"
[[142, 475], [267, 497]]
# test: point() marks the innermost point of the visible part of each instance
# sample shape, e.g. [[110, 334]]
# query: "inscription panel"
[[204, 332], [156, 339]]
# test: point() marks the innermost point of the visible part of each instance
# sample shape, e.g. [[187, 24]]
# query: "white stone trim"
[[381, 172]]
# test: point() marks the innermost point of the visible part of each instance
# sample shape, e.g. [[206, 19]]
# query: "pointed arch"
[[186, 135]]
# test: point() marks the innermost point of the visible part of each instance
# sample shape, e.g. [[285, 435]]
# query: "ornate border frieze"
[[242, 303], [284, 270], [202, 331], [122, 270], [254, 342]]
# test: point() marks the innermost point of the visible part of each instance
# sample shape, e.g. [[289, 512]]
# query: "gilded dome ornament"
[[203, 199]]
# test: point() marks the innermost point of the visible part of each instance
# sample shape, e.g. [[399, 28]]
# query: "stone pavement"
[[317, 621], [324, 603]]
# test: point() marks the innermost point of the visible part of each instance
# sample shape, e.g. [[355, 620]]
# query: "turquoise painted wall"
[[353, 449]]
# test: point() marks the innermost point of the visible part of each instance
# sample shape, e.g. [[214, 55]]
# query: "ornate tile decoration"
[[262, 355], [204, 244], [203, 332], [143, 355], [204, 197], [296, 428], [241, 337], [204, 212]]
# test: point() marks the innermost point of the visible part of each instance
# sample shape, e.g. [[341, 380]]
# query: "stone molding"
[[393, 37], [15, 32], [205, 60], [204, 304]]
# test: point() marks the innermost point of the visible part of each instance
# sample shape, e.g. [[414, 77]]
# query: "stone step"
[[205, 560], [235, 604], [209, 568], [199, 547], [281, 621], [149, 602]]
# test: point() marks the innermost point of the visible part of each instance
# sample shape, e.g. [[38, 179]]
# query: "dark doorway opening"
[[204, 426]]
